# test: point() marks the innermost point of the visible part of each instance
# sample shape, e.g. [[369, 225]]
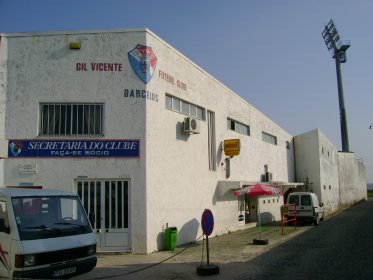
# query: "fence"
[[286, 218]]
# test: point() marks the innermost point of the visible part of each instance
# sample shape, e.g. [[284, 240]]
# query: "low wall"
[[270, 208], [352, 180]]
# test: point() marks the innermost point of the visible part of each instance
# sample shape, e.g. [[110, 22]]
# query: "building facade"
[[337, 178], [136, 129]]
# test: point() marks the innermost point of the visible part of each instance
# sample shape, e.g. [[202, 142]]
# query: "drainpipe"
[[295, 162]]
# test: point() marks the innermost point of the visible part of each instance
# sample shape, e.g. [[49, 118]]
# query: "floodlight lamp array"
[[331, 36]]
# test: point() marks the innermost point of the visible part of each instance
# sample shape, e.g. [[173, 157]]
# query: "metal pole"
[[342, 109], [207, 250]]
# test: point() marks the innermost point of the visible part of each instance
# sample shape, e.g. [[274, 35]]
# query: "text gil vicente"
[[99, 66]]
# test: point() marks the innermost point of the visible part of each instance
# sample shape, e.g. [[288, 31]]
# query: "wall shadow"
[[188, 231], [180, 135], [266, 218]]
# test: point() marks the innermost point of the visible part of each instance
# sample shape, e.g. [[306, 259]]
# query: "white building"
[[337, 178], [102, 113]]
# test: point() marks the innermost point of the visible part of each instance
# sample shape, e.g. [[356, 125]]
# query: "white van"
[[308, 207], [44, 234]]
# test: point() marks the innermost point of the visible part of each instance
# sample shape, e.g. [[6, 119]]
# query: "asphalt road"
[[339, 248]]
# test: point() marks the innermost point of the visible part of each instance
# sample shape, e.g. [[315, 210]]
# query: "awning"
[[288, 185]]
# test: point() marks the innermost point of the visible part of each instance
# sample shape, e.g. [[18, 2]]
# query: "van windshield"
[[49, 217]]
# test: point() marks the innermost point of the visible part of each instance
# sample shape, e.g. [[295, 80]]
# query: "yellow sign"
[[232, 147]]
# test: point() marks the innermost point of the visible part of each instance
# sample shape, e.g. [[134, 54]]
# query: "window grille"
[[238, 127], [269, 138], [65, 119], [184, 107]]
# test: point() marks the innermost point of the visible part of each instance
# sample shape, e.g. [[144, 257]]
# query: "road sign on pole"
[[207, 223]]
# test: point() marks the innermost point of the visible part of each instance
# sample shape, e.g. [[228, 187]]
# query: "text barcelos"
[[138, 93]]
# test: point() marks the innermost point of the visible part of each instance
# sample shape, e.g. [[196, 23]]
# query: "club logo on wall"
[[143, 62], [15, 148]]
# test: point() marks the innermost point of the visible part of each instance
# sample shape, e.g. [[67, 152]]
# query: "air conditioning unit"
[[191, 125]]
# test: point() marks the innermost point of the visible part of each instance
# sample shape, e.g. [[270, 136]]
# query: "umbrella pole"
[[260, 222]]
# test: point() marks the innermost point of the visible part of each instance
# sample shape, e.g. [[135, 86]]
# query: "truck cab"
[[307, 208], [44, 234]]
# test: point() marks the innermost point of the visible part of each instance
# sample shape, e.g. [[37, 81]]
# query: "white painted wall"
[[3, 90], [337, 178], [352, 180], [270, 208], [307, 158]]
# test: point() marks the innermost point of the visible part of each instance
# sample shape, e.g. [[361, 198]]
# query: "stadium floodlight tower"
[[339, 48]]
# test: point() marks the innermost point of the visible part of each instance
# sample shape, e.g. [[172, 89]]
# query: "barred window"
[[184, 107], [238, 127], [269, 138], [71, 119]]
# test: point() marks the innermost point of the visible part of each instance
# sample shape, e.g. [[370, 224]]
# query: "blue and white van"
[[44, 234]]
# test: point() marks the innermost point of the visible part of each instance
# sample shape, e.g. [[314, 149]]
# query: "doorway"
[[107, 205]]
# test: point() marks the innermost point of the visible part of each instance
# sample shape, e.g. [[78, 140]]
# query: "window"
[[71, 119], [176, 104], [305, 200], [168, 102], [238, 127], [184, 107], [193, 111], [269, 138], [4, 220], [294, 200]]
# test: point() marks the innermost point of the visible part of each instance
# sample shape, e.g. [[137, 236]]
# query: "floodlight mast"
[[333, 42]]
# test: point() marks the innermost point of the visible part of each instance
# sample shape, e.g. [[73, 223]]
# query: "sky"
[[269, 52]]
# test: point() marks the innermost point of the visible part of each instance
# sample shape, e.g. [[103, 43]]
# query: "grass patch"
[[267, 228], [370, 194]]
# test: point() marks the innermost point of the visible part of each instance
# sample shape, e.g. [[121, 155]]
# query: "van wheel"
[[317, 221]]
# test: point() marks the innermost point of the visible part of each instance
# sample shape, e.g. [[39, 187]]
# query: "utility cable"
[[152, 265]]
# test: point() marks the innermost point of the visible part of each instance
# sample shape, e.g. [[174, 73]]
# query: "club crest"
[[143, 62], [15, 148]]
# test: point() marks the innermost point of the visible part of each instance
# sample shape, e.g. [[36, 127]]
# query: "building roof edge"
[[72, 32]]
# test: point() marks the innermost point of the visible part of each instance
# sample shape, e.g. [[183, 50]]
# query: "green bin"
[[170, 238]]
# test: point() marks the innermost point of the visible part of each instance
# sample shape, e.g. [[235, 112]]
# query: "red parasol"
[[257, 190]]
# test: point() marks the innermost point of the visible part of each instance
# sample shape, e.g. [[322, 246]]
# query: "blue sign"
[[73, 148], [207, 222]]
